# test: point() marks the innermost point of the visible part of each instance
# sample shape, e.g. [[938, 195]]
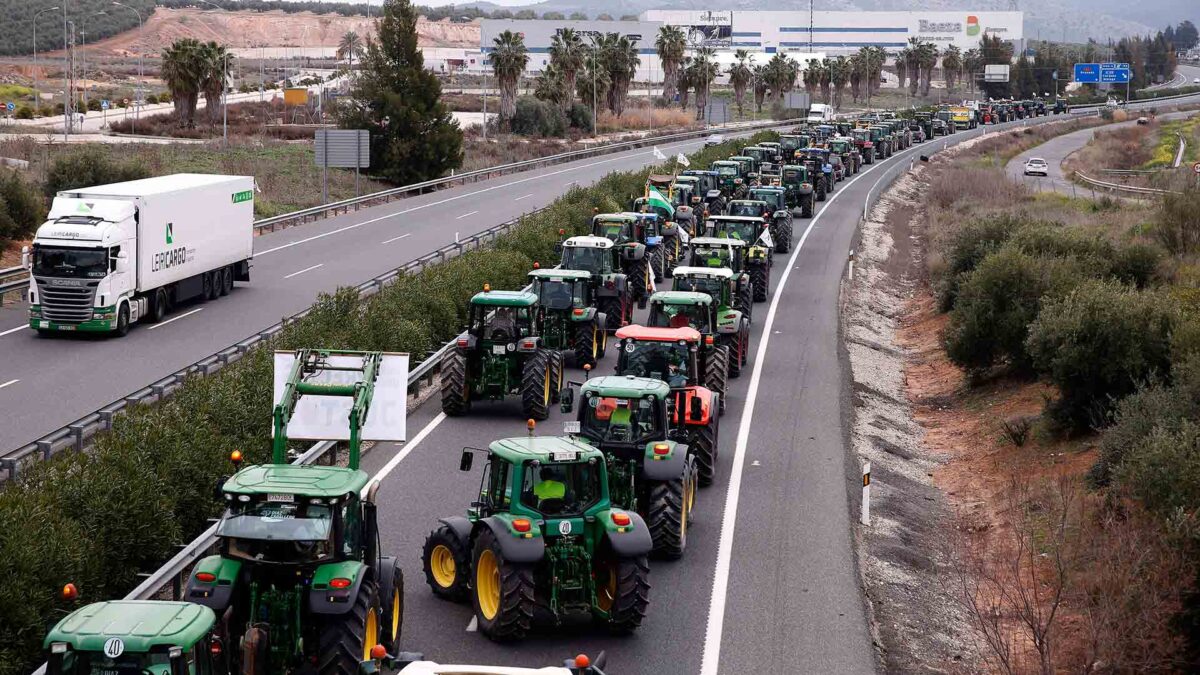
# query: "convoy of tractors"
[[561, 525]]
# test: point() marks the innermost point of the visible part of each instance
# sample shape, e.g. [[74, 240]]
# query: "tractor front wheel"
[[623, 591], [446, 561], [503, 591], [346, 639], [667, 517], [760, 276], [537, 380], [456, 391]]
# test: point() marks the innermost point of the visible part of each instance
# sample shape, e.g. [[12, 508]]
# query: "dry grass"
[[1122, 148], [508, 148], [251, 119], [636, 118]]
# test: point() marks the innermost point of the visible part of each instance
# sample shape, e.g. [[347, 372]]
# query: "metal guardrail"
[[1117, 187], [1179, 154], [12, 279]]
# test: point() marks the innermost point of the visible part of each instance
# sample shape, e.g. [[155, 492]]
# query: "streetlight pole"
[[37, 92], [66, 80], [137, 93], [83, 57]]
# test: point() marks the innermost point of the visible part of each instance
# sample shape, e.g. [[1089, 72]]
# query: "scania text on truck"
[[111, 255]]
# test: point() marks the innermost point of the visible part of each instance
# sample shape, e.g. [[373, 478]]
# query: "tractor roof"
[[768, 144], [308, 481], [681, 298], [698, 172], [658, 334], [687, 178], [741, 158], [612, 217], [659, 178], [542, 449], [793, 167], [717, 241], [773, 189], [725, 162], [588, 241], [722, 216], [717, 272], [558, 274], [626, 386], [504, 299], [141, 624]]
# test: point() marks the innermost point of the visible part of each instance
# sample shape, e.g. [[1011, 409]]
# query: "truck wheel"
[[123, 320], [614, 312], [226, 280], [666, 517], [716, 371], [760, 276], [703, 443], [536, 382], [447, 564], [623, 591], [346, 639], [503, 591], [158, 306], [206, 287], [587, 344], [391, 596], [456, 389]]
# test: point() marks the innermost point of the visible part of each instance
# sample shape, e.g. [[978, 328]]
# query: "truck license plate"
[[66, 327]]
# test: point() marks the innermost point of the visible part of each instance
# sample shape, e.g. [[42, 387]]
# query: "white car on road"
[[1036, 166], [1196, 80], [715, 139]]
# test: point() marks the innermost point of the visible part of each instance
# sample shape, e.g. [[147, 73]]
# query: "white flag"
[[658, 153], [766, 238], [683, 159]]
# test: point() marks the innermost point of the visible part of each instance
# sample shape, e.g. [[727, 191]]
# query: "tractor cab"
[[748, 166], [135, 637], [705, 309], [716, 282], [718, 252], [589, 254], [561, 290], [763, 157], [729, 174], [749, 208], [789, 144], [683, 309], [708, 187], [498, 318], [619, 228], [666, 354], [567, 318], [774, 197]]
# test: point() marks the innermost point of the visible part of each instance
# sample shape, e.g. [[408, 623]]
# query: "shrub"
[[165, 97], [24, 113], [94, 105], [151, 99], [1163, 470], [997, 302], [20, 208], [534, 117], [88, 167], [46, 111], [580, 117], [1177, 226], [967, 247], [1097, 344], [1137, 263]]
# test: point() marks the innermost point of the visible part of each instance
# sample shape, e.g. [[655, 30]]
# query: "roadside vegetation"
[[1065, 393], [99, 518]]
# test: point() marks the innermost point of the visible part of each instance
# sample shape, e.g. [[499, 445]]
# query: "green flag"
[[656, 198]]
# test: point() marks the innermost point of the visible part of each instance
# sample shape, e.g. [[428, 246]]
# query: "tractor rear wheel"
[[586, 344], [658, 263], [744, 302], [622, 590], [716, 372], [736, 360], [346, 639], [537, 379], [558, 367], [639, 279], [456, 391], [503, 591], [703, 444], [614, 312], [806, 206], [447, 563], [666, 516], [760, 276], [783, 241]]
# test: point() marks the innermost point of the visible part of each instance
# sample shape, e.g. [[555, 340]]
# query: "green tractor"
[[627, 233], [845, 148], [704, 309], [566, 318], [709, 189], [749, 167], [799, 188], [542, 537], [715, 253], [135, 636], [694, 367], [300, 581], [610, 286], [650, 468], [780, 214], [501, 354], [759, 246], [789, 144], [730, 178]]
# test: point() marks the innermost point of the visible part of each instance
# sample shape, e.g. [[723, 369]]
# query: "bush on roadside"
[[1097, 344], [88, 167], [1162, 471], [24, 113], [580, 116], [46, 111], [967, 247], [151, 99], [535, 117], [1177, 225], [21, 208]]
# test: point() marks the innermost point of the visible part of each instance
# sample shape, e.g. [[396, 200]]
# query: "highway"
[[46, 383]]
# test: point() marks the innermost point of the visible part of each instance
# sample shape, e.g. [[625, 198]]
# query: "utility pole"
[[810, 28], [66, 79]]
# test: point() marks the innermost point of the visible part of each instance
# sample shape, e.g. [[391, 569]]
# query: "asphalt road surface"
[[46, 383]]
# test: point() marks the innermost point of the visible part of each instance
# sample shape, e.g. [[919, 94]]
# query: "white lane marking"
[[13, 330], [473, 625], [570, 184], [172, 320], [523, 197], [405, 449], [711, 661], [398, 238], [458, 197], [8, 383], [466, 214], [306, 269]]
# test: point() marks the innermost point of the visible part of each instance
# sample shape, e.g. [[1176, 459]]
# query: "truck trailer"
[[111, 255]]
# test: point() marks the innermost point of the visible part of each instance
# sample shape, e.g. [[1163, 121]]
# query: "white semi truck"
[[111, 255]]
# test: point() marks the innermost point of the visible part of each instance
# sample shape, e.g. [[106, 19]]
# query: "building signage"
[[924, 26]]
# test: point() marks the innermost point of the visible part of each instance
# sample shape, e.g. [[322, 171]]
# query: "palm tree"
[[508, 60], [826, 75], [685, 81], [739, 76], [758, 77], [812, 77], [592, 85], [619, 55], [704, 70], [876, 57], [214, 67], [972, 63], [551, 87], [855, 66], [926, 59], [839, 74], [780, 74], [182, 71], [670, 45], [567, 53], [952, 63], [350, 46], [913, 64], [902, 66]]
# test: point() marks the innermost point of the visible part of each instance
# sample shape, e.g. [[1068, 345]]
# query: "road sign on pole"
[[10, 106], [1196, 167], [1087, 73], [105, 104]]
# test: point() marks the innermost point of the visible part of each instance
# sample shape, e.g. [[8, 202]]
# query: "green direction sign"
[[243, 196]]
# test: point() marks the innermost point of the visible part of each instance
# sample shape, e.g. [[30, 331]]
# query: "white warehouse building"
[[765, 33]]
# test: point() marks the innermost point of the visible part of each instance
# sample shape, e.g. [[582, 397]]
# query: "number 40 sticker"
[[114, 648]]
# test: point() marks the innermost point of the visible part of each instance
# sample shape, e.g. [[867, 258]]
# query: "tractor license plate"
[[564, 455], [498, 350], [278, 497], [571, 427]]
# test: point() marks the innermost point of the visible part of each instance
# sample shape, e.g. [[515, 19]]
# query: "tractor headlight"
[[58, 648]]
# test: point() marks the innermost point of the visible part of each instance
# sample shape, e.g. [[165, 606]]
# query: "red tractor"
[[696, 375]]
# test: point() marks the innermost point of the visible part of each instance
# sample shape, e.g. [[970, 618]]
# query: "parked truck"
[[819, 113], [111, 255]]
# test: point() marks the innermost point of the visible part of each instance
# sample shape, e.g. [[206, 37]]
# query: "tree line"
[[98, 18]]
